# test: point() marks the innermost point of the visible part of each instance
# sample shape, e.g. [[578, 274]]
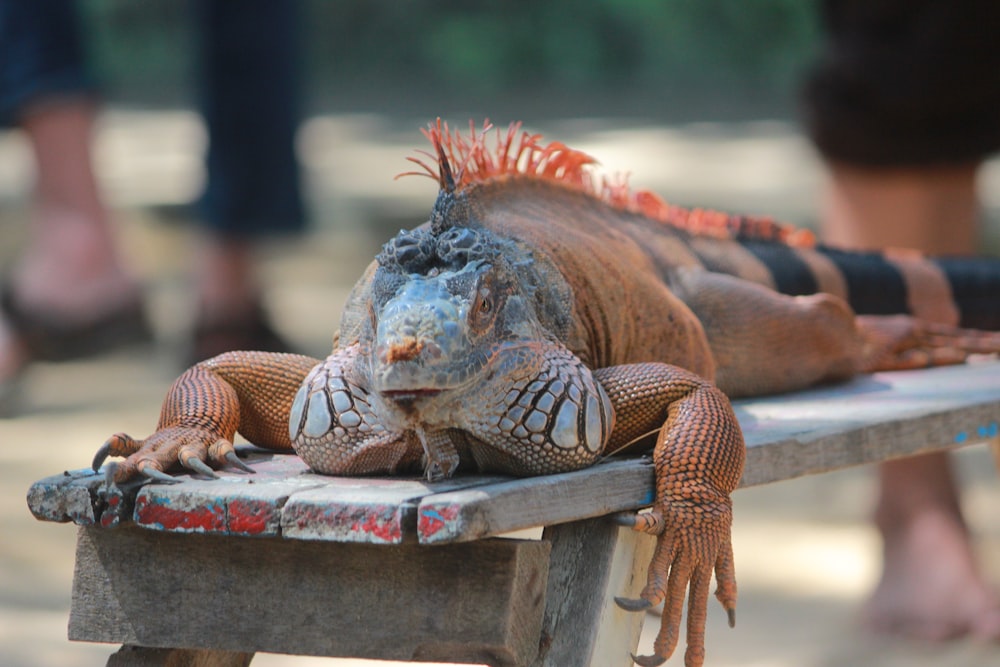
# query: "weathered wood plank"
[[375, 510], [139, 656], [480, 602], [66, 497], [83, 497], [592, 562], [247, 505], [618, 631], [872, 418], [470, 514]]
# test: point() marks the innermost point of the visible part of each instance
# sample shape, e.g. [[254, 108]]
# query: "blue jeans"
[[41, 54], [248, 94]]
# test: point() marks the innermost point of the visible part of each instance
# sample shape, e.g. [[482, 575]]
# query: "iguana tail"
[[957, 290]]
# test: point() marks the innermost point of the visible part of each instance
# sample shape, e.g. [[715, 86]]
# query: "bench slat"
[[872, 418]]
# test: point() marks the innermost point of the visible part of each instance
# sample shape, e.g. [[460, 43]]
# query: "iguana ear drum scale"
[[543, 317]]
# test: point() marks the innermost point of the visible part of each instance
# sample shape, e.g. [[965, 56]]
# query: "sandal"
[[49, 337]]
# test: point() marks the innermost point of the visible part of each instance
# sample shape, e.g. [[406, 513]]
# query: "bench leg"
[[140, 656], [592, 561]]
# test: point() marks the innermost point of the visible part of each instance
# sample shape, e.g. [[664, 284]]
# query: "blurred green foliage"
[[392, 53]]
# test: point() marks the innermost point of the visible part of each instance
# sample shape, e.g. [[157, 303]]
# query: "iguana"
[[543, 318]]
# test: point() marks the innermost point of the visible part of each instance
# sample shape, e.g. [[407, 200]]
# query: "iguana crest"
[[460, 161]]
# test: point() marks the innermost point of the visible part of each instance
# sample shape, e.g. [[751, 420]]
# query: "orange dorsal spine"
[[461, 160]]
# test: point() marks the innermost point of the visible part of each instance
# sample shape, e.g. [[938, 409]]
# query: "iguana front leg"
[[548, 415], [698, 458], [249, 392], [336, 431]]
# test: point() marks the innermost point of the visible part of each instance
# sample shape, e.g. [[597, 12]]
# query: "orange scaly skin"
[[543, 318], [699, 457], [248, 391]]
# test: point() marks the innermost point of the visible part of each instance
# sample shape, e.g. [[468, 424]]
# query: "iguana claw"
[[629, 604], [100, 456], [200, 467], [648, 660], [626, 519], [234, 460], [158, 475]]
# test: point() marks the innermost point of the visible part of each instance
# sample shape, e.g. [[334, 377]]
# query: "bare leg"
[[931, 586], [230, 315], [225, 271], [71, 265], [934, 209], [70, 271]]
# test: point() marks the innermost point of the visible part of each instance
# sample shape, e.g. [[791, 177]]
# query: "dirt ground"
[[806, 553]]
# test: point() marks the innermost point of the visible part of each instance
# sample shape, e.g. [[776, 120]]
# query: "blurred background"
[[697, 100]]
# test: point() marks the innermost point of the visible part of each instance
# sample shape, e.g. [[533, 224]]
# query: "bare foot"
[[931, 586]]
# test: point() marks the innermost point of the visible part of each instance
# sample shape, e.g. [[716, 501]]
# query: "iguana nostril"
[[407, 348]]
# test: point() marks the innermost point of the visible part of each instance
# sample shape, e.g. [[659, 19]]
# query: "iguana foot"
[[692, 540], [153, 457], [902, 342]]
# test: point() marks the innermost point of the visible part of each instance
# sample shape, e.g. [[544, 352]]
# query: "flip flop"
[[50, 337]]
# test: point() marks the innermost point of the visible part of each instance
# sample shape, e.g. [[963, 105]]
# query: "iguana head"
[[456, 353], [443, 308]]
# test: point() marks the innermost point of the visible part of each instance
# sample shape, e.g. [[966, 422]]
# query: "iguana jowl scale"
[[542, 318]]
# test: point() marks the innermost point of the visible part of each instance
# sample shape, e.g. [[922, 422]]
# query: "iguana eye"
[[483, 309]]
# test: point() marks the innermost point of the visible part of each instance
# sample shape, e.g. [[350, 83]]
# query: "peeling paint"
[[435, 517], [157, 513]]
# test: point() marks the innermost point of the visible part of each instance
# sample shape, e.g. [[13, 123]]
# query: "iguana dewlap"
[[542, 319]]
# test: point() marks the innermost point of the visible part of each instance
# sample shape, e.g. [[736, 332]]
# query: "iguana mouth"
[[406, 398]]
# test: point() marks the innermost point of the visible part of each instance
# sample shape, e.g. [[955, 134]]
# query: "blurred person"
[[904, 105], [70, 293]]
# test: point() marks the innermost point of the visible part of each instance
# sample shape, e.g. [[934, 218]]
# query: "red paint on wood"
[[380, 522], [435, 517], [252, 517], [111, 516], [200, 518]]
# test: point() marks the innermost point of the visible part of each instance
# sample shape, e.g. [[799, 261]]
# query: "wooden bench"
[[286, 561]]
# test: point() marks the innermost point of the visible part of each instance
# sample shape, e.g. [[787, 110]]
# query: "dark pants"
[[248, 94], [906, 82]]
